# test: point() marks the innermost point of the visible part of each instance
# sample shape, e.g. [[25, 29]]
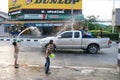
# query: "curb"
[[69, 67], [22, 39]]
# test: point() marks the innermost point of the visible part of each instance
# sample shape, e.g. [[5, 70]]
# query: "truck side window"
[[66, 35], [76, 35]]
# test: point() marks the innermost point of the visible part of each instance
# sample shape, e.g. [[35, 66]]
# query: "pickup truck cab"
[[73, 40]]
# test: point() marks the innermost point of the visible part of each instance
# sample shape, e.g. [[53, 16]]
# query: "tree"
[[91, 23]]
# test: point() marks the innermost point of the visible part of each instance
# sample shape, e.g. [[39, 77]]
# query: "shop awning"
[[6, 25], [22, 22]]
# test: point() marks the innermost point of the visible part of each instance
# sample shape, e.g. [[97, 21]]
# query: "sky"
[[101, 9]]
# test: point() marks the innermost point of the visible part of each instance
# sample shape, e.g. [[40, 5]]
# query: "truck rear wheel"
[[93, 49]]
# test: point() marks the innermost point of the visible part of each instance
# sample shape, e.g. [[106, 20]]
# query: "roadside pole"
[[118, 63], [116, 23], [119, 57]]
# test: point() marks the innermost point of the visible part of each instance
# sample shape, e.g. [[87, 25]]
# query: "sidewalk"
[[60, 73], [24, 36]]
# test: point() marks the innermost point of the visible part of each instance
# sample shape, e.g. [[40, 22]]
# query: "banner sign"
[[50, 11], [48, 24], [63, 17], [44, 4], [47, 17], [33, 16]]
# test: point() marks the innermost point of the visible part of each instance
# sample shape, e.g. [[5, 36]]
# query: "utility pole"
[[72, 22], [113, 10]]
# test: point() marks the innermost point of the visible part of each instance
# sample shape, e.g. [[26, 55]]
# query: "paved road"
[[65, 66], [31, 54]]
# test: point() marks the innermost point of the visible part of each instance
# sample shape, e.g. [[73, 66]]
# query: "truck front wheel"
[[93, 49]]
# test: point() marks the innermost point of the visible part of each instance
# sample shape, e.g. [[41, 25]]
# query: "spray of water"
[[34, 30], [68, 25]]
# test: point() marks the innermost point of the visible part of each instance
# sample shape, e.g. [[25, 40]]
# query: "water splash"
[[34, 30], [68, 25]]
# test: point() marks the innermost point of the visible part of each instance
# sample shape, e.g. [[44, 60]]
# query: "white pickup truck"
[[73, 40]]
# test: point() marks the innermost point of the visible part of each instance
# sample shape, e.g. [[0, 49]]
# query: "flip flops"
[[16, 66]]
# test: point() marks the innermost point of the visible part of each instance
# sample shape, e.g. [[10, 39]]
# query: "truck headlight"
[[42, 41]]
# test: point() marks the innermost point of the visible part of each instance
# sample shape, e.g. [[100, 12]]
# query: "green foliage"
[[112, 36], [109, 29], [91, 23], [97, 31], [94, 27]]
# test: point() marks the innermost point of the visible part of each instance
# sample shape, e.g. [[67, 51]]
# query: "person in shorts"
[[16, 51]]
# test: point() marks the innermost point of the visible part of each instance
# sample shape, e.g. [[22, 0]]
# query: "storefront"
[[45, 27], [48, 16]]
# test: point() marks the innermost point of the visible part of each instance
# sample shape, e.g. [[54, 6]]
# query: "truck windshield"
[[66, 35]]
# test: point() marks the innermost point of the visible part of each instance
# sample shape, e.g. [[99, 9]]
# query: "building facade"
[[48, 15], [116, 22], [116, 17], [3, 17]]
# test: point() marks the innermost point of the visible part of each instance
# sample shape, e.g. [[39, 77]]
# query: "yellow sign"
[[44, 4]]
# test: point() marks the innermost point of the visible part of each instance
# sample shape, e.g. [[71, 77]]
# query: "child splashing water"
[[16, 51]]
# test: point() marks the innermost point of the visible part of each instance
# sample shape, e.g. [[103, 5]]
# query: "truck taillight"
[[109, 42]]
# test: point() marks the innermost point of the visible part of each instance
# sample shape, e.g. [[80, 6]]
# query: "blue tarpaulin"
[[7, 25]]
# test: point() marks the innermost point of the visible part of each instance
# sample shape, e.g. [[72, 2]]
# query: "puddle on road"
[[4, 65], [87, 71]]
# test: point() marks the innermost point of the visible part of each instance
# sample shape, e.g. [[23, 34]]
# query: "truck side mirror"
[[59, 37]]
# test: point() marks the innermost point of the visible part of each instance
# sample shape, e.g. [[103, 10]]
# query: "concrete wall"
[[1, 19], [1, 29], [116, 17], [116, 22]]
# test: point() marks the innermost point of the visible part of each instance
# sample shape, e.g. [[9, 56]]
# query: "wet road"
[[31, 54]]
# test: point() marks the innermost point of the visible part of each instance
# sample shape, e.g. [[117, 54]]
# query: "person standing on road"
[[16, 51], [47, 53], [82, 31]]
